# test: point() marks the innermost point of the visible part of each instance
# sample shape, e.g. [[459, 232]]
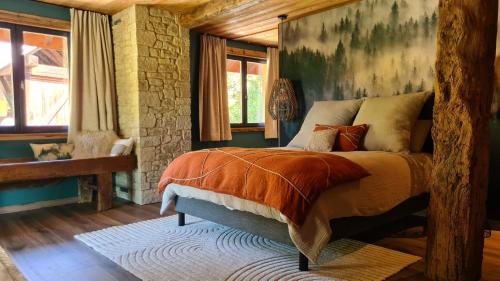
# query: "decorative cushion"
[[390, 120], [339, 112], [349, 137], [322, 140], [52, 151], [122, 147], [92, 144], [419, 134]]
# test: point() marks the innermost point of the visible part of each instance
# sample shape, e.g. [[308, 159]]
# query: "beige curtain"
[[213, 103], [92, 80], [271, 126]]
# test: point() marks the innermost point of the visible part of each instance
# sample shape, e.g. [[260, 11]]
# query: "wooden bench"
[[28, 169]]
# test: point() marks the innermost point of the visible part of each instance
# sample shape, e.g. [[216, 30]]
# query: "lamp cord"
[[282, 19]]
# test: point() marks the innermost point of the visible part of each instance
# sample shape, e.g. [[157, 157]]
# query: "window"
[[34, 72], [245, 88]]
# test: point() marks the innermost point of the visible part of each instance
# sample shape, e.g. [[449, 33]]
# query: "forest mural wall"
[[366, 49]]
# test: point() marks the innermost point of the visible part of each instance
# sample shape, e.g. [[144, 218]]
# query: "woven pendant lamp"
[[282, 101]]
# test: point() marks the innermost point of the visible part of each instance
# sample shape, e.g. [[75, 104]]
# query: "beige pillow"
[[52, 151], [122, 147], [390, 120], [322, 141], [419, 134], [339, 112], [92, 144]]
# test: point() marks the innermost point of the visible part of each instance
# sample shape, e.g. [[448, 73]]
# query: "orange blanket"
[[289, 181]]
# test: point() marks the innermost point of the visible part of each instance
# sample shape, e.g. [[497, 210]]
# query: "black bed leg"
[[303, 262], [182, 219]]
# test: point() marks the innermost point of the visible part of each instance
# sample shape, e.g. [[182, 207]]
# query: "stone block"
[[141, 13], [147, 38], [150, 99], [150, 64], [148, 154], [148, 121], [143, 84], [156, 82]]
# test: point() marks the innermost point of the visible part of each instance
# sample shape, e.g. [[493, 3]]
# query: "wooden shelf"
[[34, 136], [246, 53], [247, 129]]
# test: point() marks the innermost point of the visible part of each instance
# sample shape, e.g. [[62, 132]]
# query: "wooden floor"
[[43, 247]]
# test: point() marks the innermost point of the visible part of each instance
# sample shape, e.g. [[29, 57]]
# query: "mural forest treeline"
[[371, 48]]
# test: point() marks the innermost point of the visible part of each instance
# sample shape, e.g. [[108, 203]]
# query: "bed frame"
[[278, 231]]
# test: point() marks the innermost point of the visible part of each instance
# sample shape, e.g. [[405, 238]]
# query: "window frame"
[[18, 78], [244, 97]]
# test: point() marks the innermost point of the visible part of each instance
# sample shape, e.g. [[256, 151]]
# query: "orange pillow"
[[348, 138]]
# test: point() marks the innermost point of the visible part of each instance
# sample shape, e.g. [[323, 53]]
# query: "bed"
[[395, 183], [397, 187]]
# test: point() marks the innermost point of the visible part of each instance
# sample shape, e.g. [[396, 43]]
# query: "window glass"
[[255, 92], [46, 79], [7, 108], [234, 90]]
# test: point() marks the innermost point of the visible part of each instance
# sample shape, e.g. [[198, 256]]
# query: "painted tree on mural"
[[371, 48]]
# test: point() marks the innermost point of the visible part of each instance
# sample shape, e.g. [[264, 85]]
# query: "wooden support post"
[[464, 86], [104, 191], [303, 262], [182, 219]]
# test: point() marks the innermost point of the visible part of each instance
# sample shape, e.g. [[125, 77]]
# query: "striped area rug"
[[8, 271], [201, 250]]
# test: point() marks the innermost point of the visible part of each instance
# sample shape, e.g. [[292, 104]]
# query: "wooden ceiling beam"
[[250, 20], [249, 29], [248, 23], [253, 14], [216, 8]]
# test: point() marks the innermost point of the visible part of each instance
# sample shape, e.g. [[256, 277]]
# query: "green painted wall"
[[10, 149], [25, 195], [35, 8], [251, 139]]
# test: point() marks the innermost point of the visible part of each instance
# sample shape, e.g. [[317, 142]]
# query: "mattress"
[[394, 178]]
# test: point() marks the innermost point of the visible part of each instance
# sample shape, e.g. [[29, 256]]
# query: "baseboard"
[[37, 205]]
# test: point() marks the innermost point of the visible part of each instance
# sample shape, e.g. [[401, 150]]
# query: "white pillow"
[[339, 112], [92, 144], [122, 147], [321, 141], [390, 121]]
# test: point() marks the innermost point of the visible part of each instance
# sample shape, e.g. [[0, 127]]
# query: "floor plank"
[[42, 244]]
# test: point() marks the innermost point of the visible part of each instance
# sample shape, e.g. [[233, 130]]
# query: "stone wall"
[[153, 89]]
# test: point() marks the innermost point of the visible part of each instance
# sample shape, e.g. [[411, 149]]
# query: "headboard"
[[426, 114]]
